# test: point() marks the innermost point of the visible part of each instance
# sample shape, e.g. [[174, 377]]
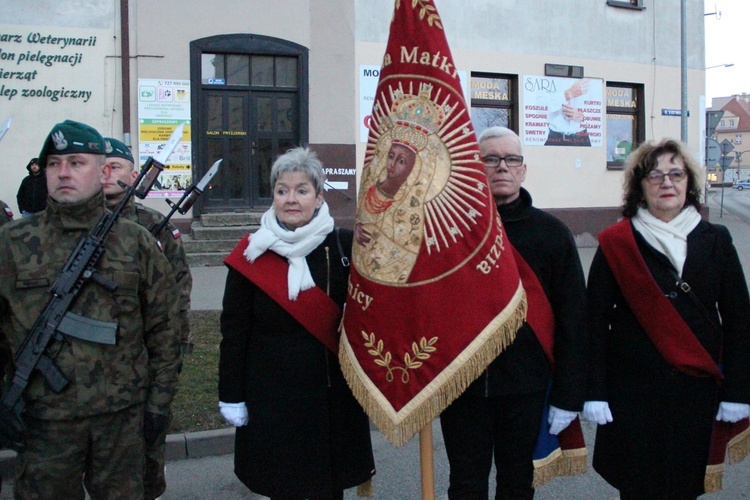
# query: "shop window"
[[494, 101], [625, 122], [244, 70]]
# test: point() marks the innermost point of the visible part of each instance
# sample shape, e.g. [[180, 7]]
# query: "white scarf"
[[669, 238], [295, 245]]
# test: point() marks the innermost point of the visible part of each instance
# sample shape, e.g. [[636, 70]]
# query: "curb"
[[181, 446], [199, 444]]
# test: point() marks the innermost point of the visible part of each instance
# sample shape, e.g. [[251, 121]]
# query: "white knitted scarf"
[[669, 238], [295, 245]]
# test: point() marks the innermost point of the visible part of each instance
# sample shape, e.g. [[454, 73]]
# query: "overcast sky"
[[727, 43]]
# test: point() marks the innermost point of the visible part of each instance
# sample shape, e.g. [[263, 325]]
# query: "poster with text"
[[162, 106], [562, 111]]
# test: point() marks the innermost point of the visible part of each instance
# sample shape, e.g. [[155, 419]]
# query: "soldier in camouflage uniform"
[[6, 214], [92, 433], [122, 168]]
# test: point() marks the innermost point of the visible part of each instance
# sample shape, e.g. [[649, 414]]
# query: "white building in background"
[[255, 77]]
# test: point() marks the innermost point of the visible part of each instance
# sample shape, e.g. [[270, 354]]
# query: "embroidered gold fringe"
[[366, 489], [713, 480], [501, 332], [738, 449], [560, 463]]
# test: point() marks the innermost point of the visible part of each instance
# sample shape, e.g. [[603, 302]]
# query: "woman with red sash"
[[670, 339], [300, 432]]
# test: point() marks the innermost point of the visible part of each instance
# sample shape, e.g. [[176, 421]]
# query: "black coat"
[[307, 436], [547, 245], [32, 193], [658, 441]]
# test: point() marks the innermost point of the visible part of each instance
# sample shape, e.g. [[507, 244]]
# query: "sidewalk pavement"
[[208, 288]]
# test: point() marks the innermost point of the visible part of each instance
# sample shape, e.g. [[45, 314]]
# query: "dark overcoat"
[[658, 442], [307, 436], [547, 245]]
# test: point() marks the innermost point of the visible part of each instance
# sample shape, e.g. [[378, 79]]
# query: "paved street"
[[398, 475], [398, 470]]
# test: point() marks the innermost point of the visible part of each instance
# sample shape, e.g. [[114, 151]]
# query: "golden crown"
[[414, 118]]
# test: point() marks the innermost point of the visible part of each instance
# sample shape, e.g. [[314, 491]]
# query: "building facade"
[[253, 78], [734, 128]]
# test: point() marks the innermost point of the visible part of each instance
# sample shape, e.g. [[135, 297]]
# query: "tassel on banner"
[[398, 434], [561, 463]]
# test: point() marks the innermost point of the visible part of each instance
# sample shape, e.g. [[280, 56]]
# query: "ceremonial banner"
[[434, 292]]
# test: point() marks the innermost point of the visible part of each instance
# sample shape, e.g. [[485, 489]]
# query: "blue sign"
[[672, 112]]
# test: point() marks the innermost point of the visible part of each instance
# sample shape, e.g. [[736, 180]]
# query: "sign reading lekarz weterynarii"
[[37, 65]]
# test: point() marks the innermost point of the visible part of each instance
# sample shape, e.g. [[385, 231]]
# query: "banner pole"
[[426, 460]]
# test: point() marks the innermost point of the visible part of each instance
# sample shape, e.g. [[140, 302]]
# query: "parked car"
[[740, 185]]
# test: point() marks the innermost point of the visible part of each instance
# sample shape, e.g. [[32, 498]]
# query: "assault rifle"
[[189, 197], [55, 319]]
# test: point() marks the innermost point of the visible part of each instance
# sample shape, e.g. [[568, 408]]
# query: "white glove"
[[559, 419], [732, 412], [234, 413], [597, 411]]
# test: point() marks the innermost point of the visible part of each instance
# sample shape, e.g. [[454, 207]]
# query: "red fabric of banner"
[[434, 293]]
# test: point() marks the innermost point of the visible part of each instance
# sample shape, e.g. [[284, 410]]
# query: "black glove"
[[154, 426]]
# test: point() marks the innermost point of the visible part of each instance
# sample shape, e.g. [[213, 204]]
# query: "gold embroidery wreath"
[[421, 351], [424, 8]]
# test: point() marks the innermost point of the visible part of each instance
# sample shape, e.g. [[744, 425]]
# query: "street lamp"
[[728, 65]]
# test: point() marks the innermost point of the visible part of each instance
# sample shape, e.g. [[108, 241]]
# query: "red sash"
[[564, 454], [314, 310], [680, 348]]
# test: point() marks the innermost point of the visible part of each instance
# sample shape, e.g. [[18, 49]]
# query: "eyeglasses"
[[510, 161], [656, 177]]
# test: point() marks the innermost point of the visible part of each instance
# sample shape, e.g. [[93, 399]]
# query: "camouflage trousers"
[[103, 452], [154, 482]]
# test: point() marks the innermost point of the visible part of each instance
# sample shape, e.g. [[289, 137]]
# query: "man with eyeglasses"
[[500, 414]]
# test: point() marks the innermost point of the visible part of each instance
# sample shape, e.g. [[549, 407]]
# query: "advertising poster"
[[562, 111], [162, 106]]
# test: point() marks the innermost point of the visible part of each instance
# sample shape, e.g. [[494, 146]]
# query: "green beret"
[[71, 137], [118, 149]]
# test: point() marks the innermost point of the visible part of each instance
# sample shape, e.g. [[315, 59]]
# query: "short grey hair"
[[300, 159], [498, 132]]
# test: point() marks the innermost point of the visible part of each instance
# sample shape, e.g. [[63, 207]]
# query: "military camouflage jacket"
[[143, 364], [175, 254]]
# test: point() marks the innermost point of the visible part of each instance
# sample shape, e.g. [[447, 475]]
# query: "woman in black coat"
[[300, 432], [668, 359]]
